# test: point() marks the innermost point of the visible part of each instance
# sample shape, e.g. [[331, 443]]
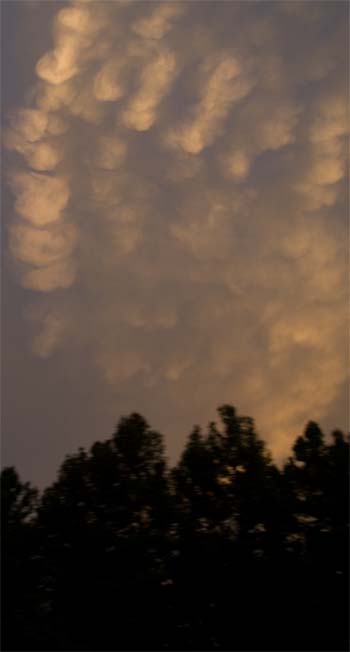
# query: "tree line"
[[224, 551]]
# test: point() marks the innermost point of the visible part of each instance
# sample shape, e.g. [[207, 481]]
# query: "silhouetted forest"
[[226, 551]]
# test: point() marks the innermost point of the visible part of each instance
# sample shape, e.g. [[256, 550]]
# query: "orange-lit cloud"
[[186, 184], [156, 79], [158, 22], [40, 198], [223, 86]]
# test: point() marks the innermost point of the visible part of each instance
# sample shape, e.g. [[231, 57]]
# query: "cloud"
[[40, 198], [59, 275], [75, 29], [155, 82], [159, 22], [111, 152], [41, 247], [205, 229], [30, 124], [223, 85], [108, 85], [182, 173], [326, 161], [265, 123], [53, 328]]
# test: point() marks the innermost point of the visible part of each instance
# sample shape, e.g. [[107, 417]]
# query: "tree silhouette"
[[224, 551], [18, 547]]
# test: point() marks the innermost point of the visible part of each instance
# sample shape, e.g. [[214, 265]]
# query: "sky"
[[175, 220]]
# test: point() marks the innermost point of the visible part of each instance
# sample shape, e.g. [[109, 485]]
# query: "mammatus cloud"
[[76, 29], [155, 83], [40, 198], [223, 85], [182, 178], [53, 328], [262, 125], [159, 21]]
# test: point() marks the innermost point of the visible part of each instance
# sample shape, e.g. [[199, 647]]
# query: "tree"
[[142, 470], [19, 501], [19, 561], [120, 553], [109, 505], [315, 481]]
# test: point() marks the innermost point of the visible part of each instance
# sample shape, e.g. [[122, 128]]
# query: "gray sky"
[[175, 220]]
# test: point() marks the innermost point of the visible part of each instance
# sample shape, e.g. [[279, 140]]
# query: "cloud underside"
[[184, 172]]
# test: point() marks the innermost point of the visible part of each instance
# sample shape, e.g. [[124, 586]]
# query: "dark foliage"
[[223, 552]]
